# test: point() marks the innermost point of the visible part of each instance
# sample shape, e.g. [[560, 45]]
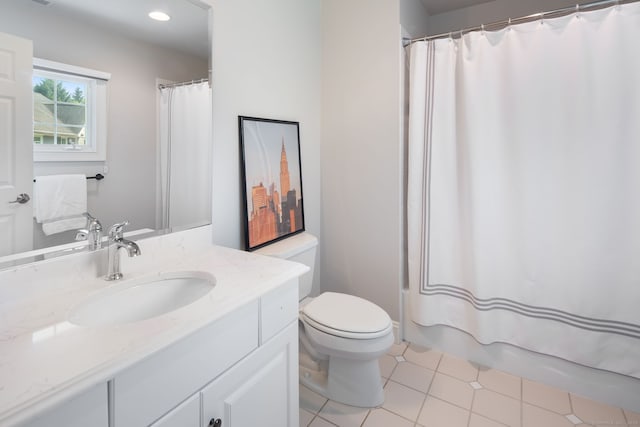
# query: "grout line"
[[521, 407], [365, 417], [422, 406], [400, 415], [521, 401], [313, 418], [473, 399], [439, 361]]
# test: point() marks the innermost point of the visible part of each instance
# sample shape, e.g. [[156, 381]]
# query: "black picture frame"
[[271, 165]]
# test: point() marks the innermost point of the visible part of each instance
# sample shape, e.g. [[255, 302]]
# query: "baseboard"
[[396, 332]]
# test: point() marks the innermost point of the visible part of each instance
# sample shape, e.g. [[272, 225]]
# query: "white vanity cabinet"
[[88, 408], [262, 390], [241, 369], [185, 415]]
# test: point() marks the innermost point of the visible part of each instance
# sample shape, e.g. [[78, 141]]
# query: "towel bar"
[[98, 177]]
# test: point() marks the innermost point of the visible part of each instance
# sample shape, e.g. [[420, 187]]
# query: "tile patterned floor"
[[426, 388]]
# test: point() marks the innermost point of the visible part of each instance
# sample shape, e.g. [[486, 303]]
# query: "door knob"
[[215, 422], [22, 198]]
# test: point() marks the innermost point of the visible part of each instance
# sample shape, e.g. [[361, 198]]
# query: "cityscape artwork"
[[272, 180]]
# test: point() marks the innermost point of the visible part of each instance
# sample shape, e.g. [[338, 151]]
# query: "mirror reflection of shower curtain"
[[185, 156]]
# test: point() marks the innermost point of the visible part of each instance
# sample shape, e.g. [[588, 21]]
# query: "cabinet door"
[[262, 390], [185, 415]]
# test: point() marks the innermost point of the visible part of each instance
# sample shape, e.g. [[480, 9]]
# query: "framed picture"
[[272, 180]]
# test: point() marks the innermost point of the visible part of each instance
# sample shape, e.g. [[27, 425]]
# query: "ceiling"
[[187, 30], [435, 7]]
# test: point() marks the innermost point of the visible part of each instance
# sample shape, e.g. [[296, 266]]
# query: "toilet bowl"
[[341, 336]]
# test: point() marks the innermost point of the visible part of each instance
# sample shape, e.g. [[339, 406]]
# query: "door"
[[16, 144]]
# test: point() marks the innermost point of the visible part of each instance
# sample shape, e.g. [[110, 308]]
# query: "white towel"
[[60, 202]]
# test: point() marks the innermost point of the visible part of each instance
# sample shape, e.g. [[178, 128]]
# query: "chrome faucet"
[[92, 234], [117, 242]]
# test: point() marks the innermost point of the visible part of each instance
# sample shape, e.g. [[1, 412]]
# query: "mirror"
[[117, 37]]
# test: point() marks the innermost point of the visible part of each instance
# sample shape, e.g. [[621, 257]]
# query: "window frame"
[[96, 113]]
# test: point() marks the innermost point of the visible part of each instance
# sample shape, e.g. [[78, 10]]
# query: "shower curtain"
[[524, 186], [185, 155]]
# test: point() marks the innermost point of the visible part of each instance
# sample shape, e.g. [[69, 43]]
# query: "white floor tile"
[[343, 415], [479, 421], [497, 407], [546, 397], [633, 418], [573, 419], [319, 422], [596, 413], [424, 357], [383, 418], [533, 416], [458, 368], [452, 390], [438, 413], [402, 400], [305, 418], [500, 382], [310, 400], [414, 376], [397, 349], [498, 400], [387, 364]]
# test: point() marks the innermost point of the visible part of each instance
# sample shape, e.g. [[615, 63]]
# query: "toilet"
[[341, 336]]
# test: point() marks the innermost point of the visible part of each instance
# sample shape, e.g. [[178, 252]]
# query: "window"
[[69, 112]]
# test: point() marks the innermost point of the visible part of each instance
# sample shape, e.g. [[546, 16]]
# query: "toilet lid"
[[347, 316]]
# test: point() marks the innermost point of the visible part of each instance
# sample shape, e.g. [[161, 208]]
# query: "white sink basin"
[[140, 299]]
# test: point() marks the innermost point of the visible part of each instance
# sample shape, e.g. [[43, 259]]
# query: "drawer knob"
[[215, 422]]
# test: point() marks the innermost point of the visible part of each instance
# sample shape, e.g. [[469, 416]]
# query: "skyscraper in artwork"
[[276, 209], [284, 173]]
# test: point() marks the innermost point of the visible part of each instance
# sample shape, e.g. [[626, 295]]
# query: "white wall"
[[413, 18], [128, 192], [267, 63], [487, 13], [362, 156]]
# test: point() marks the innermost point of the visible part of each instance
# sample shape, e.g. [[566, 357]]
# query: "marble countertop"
[[44, 359]]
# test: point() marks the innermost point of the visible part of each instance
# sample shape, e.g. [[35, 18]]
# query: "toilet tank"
[[299, 248]]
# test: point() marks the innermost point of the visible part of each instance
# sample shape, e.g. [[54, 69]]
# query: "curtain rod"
[[494, 26], [191, 82]]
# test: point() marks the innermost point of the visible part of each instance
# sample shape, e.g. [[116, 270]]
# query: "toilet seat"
[[346, 316]]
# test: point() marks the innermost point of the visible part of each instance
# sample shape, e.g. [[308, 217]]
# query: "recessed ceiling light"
[[159, 16]]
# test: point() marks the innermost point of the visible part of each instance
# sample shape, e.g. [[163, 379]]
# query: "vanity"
[[224, 354]]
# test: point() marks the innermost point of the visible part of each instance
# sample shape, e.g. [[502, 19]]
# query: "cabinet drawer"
[[88, 408], [278, 308], [146, 391]]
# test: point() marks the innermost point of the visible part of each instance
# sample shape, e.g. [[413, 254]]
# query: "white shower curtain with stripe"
[[185, 156], [524, 186]]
